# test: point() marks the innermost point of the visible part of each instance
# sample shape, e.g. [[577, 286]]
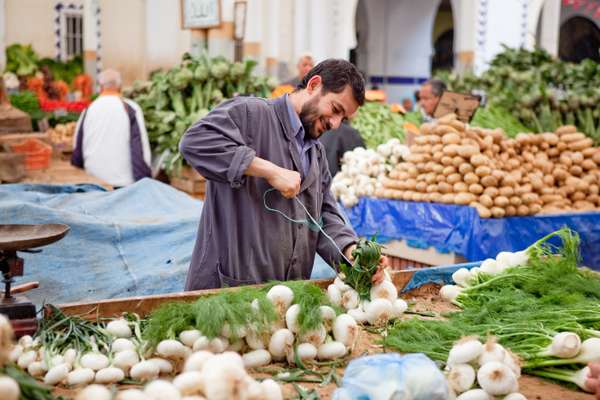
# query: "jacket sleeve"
[[334, 223], [217, 145]]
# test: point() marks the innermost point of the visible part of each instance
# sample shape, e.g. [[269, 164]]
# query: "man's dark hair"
[[335, 75], [437, 86]]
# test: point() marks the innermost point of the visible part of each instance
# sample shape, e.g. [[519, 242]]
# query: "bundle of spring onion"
[[353, 290], [537, 303]]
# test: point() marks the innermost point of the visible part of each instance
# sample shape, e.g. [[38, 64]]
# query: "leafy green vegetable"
[[28, 102], [366, 260], [377, 124], [21, 59], [492, 117]]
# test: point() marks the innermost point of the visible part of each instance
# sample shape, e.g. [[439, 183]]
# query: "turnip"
[[271, 390], [334, 295], [56, 375], [202, 343], [26, 342], [492, 352], [449, 293], [564, 345], [497, 379], [189, 337], [26, 358], [331, 351], [222, 378], [513, 363], [590, 352], [144, 371], [218, 345], [80, 377], [350, 299], [94, 392], [282, 297], [9, 388], [119, 328], [37, 368], [95, 361], [121, 344], [109, 375], [58, 359], [162, 390], [189, 382], [291, 318], [341, 285], [461, 277], [314, 336], [492, 267], [251, 389], [126, 359], [305, 352], [280, 343], [515, 396], [328, 316], [359, 315], [461, 377], [196, 361], [171, 349], [464, 351], [379, 311], [345, 330], [163, 365], [132, 394], [385, 290], [256, 341], [474, 394], [256, 358], [227, 332], [399, 306], [15, 353], [70, 356]]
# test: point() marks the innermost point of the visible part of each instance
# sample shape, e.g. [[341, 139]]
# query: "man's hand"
[[287, 182], [383, 263], [593, 379]]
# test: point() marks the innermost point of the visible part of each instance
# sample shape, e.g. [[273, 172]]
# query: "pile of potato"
[[453, 163]]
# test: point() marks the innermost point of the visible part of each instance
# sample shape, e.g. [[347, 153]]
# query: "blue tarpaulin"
[[133, 241], [459, 228]]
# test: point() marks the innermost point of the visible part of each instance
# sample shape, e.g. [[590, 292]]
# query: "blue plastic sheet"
[[460, 230], [133, 241]]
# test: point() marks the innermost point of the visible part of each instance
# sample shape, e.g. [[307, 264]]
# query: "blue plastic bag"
[[391, 376]]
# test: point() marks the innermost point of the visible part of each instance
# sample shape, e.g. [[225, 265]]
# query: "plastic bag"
[[391, 376]]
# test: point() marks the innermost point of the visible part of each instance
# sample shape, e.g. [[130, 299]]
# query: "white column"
[[90, 37], [272, 36], [550, 26], [254, 32], [301, 28], [344, 37], [534, 10], [2, 35], [465, 15], [320, 28]]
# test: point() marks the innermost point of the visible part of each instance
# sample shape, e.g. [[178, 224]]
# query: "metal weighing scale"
[[22, 238]]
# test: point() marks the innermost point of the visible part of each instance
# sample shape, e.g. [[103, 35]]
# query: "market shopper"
[[337, 142], [260, 156], [304, 65], [429, 97], [111, 142]]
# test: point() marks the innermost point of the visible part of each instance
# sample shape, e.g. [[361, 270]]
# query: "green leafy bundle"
[[174, 100], [359, 275], [21, 59], [377, 124], [542, 92], [524, 307]]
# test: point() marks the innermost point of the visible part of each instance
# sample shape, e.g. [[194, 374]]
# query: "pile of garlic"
[[205, 376], [477, 371], [362, 170], [463, 276], [383, 304]]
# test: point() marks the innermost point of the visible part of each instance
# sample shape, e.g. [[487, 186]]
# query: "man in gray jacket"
[[247, 146]]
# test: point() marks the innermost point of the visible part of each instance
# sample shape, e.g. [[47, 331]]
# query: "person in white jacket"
[[111, 142]]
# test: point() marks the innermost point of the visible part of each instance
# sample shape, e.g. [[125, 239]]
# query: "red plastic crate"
[[37, 153]]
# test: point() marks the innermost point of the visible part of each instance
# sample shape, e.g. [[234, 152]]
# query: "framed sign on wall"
[[200, 14]]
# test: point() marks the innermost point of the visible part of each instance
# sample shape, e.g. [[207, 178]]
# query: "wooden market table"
[[424, 298], [62, 172]]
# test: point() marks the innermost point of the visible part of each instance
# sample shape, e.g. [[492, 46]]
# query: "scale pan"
[[23, 237]]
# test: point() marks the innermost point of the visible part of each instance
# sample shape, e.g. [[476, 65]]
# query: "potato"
[[589, 152], [417, 197], [470, 178], [511, 211], [577, 157], [406, 196], [501, 201], [529, 198], [458, 125], [594, 189], [581, 144], [590, 178], [459, 187], [453, 178], [498, 212], [550, 138], [440, 179], [421, 177], [432, 188], [447, 198], [449, 170], [515, 201], [489, 180], [457, 161], [464, 198], [411, 184], [549, 180], [560, 174], [596, 157], [576, 170], [593, 198], [513, 163], [446, 119], [572, 137], [450, 150], [482, 210], [498, 174], [534, 209], [478, 160], [475, 188], [588, 165], [486, 200], [522, 210], [550, 198], [436, 197], [413, 171], [467, 151], [446, 160], [444, 187], [492, 191], [437, 147], [437, 156], [430, 178], [427, 127], [536, 182], [465, 168], [434, 139], [548, 190], [584, 205], [421, 139], [566, 129], [438, 168], [578, 195], [483, 170], [451, 138], [442, 130], [421, 186], [523, 189]]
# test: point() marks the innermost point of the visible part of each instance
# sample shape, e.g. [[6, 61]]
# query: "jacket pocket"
[[228, 281]]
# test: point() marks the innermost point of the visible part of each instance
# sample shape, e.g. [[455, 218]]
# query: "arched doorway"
[[443, 38], [579, 39]]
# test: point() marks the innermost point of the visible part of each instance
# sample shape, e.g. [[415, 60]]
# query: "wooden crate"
[[402, 256], [190, 181]]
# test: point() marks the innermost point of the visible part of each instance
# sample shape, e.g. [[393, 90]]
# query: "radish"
[[281, 296], [564, 345], [164, 366], [119, 328], [109, 375], [464, 351], [126, 359], [189, 337], [171, 349], [345, 330], [145, 371], [93, 360], [281, 341], [121, 344], [461, 377], [80, 377], [385, 290], [257, 358], [331, 351]]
